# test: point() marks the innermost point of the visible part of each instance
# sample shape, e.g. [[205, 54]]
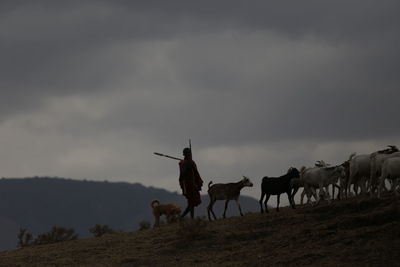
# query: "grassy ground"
[[357, 231]]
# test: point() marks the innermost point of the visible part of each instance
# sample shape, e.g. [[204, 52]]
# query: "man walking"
[[190, 182]]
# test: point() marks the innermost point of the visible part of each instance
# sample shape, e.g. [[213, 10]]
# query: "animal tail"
[[209, 184], [154, 202]]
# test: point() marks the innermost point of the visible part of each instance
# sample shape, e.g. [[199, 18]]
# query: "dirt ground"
[[360, 231]]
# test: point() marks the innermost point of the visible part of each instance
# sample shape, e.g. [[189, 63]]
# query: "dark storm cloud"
[[98, 84], [46, 36]]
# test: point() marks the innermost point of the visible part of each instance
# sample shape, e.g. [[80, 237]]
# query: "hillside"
[[38, 204], [353, 232]]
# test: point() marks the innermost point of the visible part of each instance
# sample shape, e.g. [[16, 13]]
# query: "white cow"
[[320, 177], [390, 170]]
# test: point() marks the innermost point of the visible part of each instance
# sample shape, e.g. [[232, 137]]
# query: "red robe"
[[190, 182]]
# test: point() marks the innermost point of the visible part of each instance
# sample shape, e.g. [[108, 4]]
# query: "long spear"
[[167, 156]]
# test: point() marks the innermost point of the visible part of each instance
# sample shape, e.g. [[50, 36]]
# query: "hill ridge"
[[40, 203], [359, 231]]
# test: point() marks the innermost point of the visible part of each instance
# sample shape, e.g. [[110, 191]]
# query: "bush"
[[24, 238], [57, 234], [143, 225], [99, 230]]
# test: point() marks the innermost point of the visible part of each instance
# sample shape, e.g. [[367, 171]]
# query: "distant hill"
[[40, 203], [361, 231]]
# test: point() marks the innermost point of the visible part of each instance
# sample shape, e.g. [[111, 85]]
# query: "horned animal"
[[277, 186], [227, 192]]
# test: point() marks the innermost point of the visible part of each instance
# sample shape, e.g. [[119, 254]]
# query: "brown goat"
[[230, 191]]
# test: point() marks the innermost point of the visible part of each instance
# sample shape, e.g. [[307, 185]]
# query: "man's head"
[[187, 152]]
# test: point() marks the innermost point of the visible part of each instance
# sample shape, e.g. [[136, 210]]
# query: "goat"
[[295, 184], [344, 180], [319, 177], [390, 170], [227, 192], [322, 164], [377, 159], [277, 186], [359, 172]]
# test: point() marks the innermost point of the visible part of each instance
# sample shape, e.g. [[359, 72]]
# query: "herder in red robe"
[[190, 182]]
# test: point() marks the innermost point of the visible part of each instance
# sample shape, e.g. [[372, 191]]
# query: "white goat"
[[359, 172], [320, 177], [296, 184], [390, 170], [344, 180], [377, 160]]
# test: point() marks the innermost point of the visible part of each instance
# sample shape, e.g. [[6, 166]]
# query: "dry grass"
[[358, 231]]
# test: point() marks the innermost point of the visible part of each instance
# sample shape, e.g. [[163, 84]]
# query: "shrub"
[[57, 234], [24, 238], [99, 230], [143, 225]]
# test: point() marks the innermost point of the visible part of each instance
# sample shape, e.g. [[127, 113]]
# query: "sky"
[[90, 89]]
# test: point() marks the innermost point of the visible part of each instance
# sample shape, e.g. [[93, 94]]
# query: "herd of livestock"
[[362, 174]]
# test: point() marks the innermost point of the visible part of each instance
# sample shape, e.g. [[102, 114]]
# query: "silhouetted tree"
[[24, 238], [143, 225], [57, 234], [99, 230]]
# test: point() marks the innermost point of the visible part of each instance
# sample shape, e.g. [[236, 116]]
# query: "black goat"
[[277, 186]]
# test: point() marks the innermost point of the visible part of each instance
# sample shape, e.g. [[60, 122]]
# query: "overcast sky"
[[90, 89]]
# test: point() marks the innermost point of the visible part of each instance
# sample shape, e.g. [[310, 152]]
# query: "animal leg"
[[363, 186], [277, 202], [291, 200], [240, 209], [316, 196], [261, 200], [302, 196], [384, 185], [322, 193], [349, 182], [209, 209], [294, 191], [265, 203], [339, 196], [355, 189], [312, 193], [226, 206], [326, 194], [396, 187], [381, 184]]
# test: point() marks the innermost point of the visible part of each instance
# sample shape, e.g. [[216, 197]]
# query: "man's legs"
[[188, 208], [192, 212]]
